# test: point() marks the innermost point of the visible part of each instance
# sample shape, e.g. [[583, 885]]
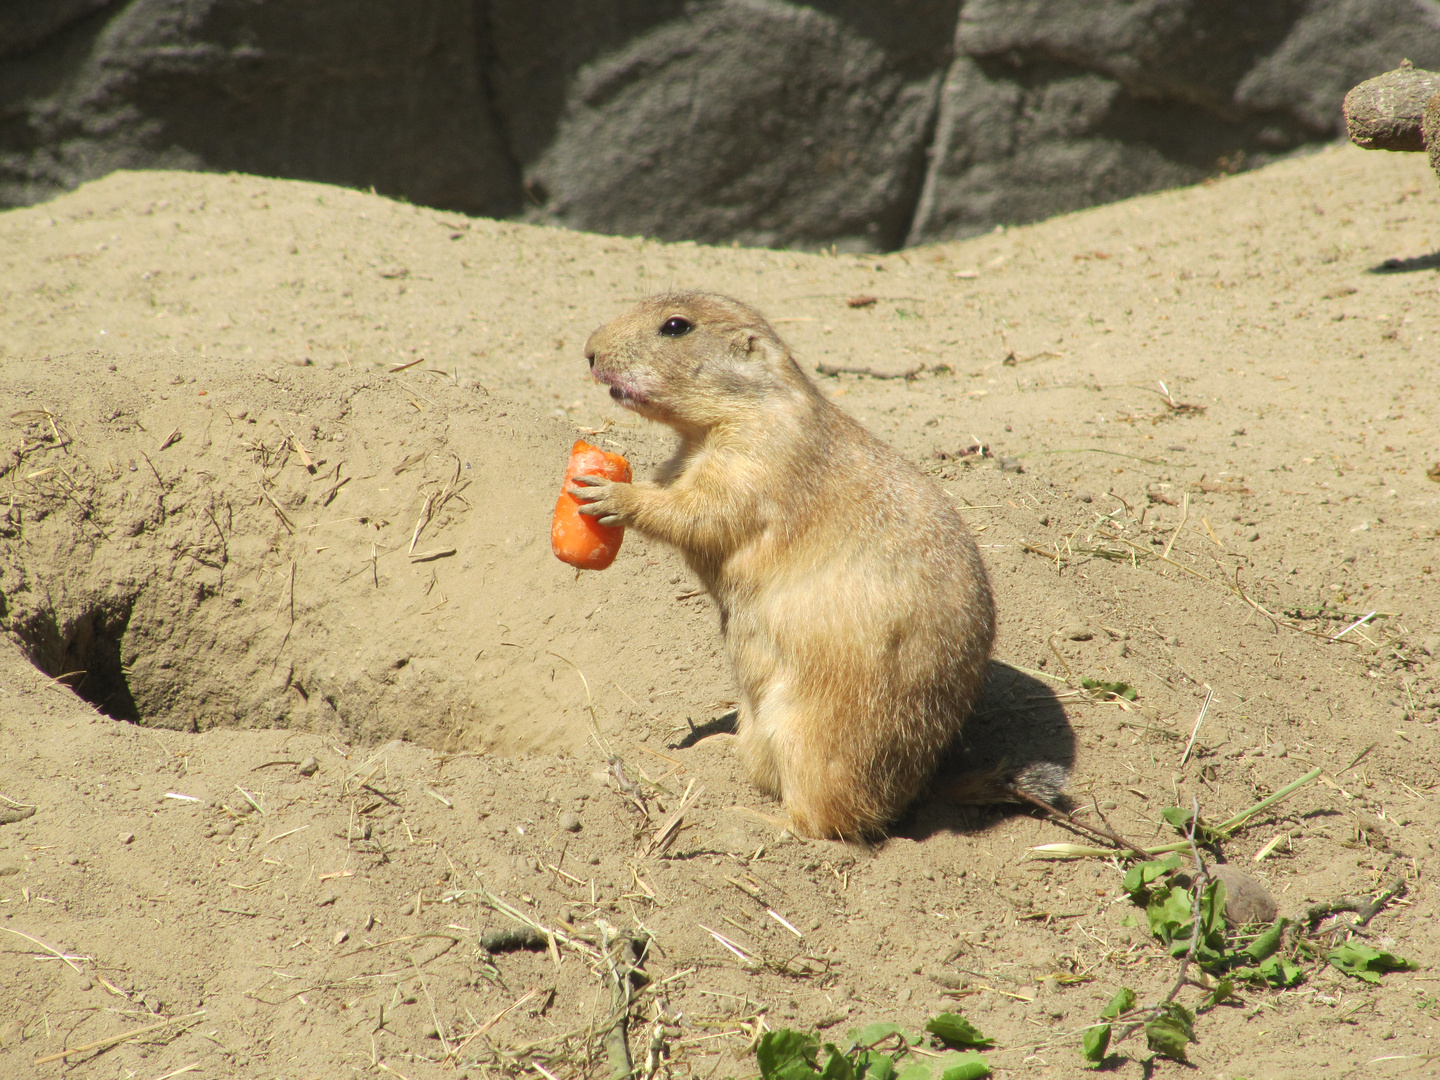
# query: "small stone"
[[1109, 804], [431, 1031], [1252, 535], [1247, 901], [11, 814], [72, 859], [1084, 496], [326, 900], [85, 983], [225, 828], [1277, 750], [341, 936], [127, 838], [309, 767], [407, 909], [1009, 464], [570, 821]]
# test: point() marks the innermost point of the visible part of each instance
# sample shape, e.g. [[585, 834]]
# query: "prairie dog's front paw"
[[602, 499]]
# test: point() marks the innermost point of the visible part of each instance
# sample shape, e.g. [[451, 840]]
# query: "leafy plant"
[[954, 1030], [795, 1055], [1110, 689], [1360, 960]]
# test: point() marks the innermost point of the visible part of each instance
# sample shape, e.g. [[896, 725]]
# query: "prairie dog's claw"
[[591, 489], [593, 497]]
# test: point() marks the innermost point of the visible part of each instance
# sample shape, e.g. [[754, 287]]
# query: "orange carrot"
[[576, 538]]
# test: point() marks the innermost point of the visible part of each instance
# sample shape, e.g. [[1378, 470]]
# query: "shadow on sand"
[[1018, 721], [1406, 266]]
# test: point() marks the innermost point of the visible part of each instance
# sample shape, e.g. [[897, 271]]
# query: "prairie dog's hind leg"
[[755, 743]]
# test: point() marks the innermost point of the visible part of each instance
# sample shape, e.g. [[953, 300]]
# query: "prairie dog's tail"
[[1042, 781]]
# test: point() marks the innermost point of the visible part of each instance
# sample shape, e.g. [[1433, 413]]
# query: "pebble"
[[127, 838], [309, 767], [85, 984], [326, 900], [341, 936], [225, 828], [1277, 750], [1084, 496], [570, 821], [1009, 464], [1246, 899], [407, 909]]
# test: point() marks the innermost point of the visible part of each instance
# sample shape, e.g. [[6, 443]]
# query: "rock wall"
[[842, 122]]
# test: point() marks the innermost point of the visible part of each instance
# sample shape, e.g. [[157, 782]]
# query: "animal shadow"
[[1406, 266], [1017, 722]]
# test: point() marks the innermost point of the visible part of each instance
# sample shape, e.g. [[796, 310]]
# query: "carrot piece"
[[576, 538]]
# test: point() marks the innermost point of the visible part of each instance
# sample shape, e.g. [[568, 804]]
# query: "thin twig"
[[113, 1039], [1209, 694]]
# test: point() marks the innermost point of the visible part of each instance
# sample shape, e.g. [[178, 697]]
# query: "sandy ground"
[[1221, 403]]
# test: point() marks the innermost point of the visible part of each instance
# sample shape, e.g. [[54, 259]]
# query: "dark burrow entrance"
[[85, 656]]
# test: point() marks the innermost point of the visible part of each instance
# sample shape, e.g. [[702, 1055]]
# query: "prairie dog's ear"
[[759, 346]]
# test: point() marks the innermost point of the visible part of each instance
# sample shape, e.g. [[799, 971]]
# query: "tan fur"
[[853, 602]]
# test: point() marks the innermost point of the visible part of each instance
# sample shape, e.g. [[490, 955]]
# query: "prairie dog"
[[853, 602]]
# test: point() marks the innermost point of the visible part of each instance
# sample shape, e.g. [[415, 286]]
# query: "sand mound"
[[205, 544]]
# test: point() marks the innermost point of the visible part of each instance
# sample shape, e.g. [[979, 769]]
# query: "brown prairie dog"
[[853, 602]]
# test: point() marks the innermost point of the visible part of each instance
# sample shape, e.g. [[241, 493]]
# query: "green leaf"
[[1122, 1002], [954, 1030], [1225, 988], [1178, 817], [1265, 945], [873, 1065], [838, 1066], [1168, 1033], [1095, 1042], [787, 1055], [1114, 689], [1273, 971], [1169, 912], [918, 1071], [1212, 913], [1363, 962], [1181, 820], [1141, 874], [969, 1066], [871, 1034]]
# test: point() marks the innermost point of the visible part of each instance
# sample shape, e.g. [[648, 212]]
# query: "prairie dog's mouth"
[[623, 390]]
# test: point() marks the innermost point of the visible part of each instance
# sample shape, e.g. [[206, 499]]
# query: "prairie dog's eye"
[[675, 326]]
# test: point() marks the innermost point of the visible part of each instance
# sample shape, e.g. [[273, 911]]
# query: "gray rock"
[[776, 122], [1053, 105], [357, 94], [570, 821], [1247, 901], [768, 123], [309, 767]]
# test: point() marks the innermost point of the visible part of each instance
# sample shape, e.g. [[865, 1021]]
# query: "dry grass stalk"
[[116, 1039], [665, 835], [1209, 695], [69, 959]]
